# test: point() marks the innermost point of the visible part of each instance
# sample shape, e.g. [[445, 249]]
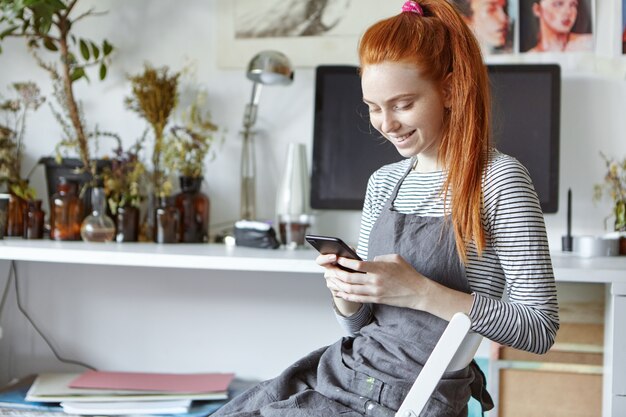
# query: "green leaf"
[[103, 71], [95, 50], [107, 48], [77, 74], [50, 45], [84, 49]]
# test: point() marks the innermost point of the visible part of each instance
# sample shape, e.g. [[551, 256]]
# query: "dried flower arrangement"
[[124, 179], [12, 131], [154, 97], [614, 186], [189, 143]]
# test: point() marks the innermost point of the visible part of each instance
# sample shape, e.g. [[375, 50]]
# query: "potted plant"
[[614, 186], [186, 149], [154, 97], [12, 129], [48, 26], [125, 190]]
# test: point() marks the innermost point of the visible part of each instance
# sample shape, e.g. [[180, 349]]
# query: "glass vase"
[[194, 207], [15, 216], [33, 220], [127, 221], [66, 212], [98, 226], [166, 221], [247, 204]]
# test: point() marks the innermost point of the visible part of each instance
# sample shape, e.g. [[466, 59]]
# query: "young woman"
[[446, 230]]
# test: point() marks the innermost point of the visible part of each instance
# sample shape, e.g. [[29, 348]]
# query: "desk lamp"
[[265, 68]]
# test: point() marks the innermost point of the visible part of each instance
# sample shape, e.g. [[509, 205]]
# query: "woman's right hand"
[[332, 275]]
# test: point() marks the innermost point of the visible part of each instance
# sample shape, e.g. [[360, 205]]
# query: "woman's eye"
[[402, 106]]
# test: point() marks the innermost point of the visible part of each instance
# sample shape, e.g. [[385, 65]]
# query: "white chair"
[[454, 351]]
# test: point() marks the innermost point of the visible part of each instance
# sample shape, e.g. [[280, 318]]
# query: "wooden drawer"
[[549, 392]]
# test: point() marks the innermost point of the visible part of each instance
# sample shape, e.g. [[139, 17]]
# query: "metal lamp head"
[[270, 68]]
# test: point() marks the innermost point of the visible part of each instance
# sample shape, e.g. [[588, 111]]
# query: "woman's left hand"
[[388, 279]]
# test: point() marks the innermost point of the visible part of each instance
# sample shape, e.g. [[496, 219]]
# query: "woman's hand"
[[329, 262], [389, 279]]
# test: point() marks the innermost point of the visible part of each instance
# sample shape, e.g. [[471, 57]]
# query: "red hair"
[[439, 42]]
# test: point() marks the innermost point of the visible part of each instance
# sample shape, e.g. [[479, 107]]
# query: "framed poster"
[[309, 32]]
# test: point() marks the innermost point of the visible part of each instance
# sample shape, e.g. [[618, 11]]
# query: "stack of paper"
[[115, 393]]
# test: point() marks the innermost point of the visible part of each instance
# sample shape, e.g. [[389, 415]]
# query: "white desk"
[[567, 268]]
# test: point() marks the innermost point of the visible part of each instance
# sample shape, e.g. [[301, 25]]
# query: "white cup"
[[590, 246]]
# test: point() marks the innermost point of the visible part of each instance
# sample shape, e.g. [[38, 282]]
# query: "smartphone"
[[329, 244]]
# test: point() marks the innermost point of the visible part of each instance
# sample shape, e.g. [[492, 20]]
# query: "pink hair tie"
[[413, 7]]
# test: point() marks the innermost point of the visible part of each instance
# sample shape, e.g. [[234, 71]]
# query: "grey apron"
[[371, 373]]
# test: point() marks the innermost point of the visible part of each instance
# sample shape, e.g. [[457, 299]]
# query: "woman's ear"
[[537, 10], [446, 91]]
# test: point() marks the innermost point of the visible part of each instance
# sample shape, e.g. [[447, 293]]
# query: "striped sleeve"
[[352, 324], [528, 318]]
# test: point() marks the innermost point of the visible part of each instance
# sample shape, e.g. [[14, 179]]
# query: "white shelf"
[[567, 267], [186, 256]]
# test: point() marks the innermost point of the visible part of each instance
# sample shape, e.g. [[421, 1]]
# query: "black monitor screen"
[[347, 150]]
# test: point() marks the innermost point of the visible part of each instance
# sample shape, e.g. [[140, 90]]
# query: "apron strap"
[[478, 388]]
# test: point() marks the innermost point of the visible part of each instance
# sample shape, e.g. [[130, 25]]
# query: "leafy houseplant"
[[49, 24], [614, 186], [12, 130]]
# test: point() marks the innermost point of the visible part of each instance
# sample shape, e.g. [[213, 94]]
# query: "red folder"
[[161, 382]]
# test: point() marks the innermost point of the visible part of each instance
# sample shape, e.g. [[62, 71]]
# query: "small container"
[[98, 226], [33, 220], [66, 212], [194, 207], [167, 224], [4, 204], [592, 246], [127, 221], [15, 215]]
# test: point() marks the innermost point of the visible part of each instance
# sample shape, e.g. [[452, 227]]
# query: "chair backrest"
[[454, 350]]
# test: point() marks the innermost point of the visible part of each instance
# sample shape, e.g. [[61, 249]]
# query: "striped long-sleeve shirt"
[[516, 258]]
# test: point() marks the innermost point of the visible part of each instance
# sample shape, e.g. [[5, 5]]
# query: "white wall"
[[172, 33]]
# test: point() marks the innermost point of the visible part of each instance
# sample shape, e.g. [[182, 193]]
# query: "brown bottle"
[[193, 206], [166, 222], [66, 212], [15, 216], [33, 220]]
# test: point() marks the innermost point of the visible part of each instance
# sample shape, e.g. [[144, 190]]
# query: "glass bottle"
[[127, 221], [33, 220], [166, 222], [193, 206], [15, 216], [66, 212], [98, 226]]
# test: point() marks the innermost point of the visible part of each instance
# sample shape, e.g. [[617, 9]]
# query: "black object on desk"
[[255, 234], [566, 241]]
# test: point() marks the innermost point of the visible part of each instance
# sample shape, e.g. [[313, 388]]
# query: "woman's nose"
[[389, 123]]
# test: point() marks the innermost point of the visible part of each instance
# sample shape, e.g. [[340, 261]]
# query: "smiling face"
[[558, 15], [405, 107], [490, 22]]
